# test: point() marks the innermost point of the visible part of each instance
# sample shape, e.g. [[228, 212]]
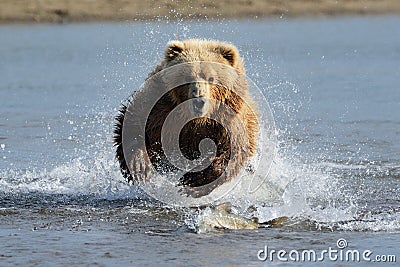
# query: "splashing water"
[[306, 182]]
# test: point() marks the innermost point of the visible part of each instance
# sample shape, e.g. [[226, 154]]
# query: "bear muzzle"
[[198, 93], [199, 89]]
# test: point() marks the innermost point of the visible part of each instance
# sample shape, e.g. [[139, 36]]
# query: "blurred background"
[[123, 10]]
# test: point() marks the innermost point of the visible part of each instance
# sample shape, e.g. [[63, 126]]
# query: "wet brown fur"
[[195, 50]]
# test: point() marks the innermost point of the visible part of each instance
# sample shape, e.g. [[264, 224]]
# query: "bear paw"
[[140, 167]]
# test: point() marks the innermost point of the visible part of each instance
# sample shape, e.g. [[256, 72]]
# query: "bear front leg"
[[140, 166], [201, 183]]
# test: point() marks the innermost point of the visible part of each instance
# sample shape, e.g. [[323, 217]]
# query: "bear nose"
[[198, 89], [198, 103]]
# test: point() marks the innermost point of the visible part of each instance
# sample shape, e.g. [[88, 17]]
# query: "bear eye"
[[211, 79]]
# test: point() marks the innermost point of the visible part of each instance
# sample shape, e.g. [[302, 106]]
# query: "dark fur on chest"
[[189, 140]]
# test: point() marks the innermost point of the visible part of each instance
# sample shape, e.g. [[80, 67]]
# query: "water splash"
[[332, 194]]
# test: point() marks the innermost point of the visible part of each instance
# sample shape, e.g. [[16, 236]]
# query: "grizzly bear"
[[197, 92]]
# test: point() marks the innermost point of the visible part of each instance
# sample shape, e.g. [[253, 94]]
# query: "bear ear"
[[174, 48], [230, 53]]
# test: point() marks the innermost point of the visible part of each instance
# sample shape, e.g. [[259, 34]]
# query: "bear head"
[[207, 73]]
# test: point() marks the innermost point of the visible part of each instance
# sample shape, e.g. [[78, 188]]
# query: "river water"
[[334, 89]]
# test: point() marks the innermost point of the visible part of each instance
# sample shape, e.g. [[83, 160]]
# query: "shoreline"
[[70, 11]]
